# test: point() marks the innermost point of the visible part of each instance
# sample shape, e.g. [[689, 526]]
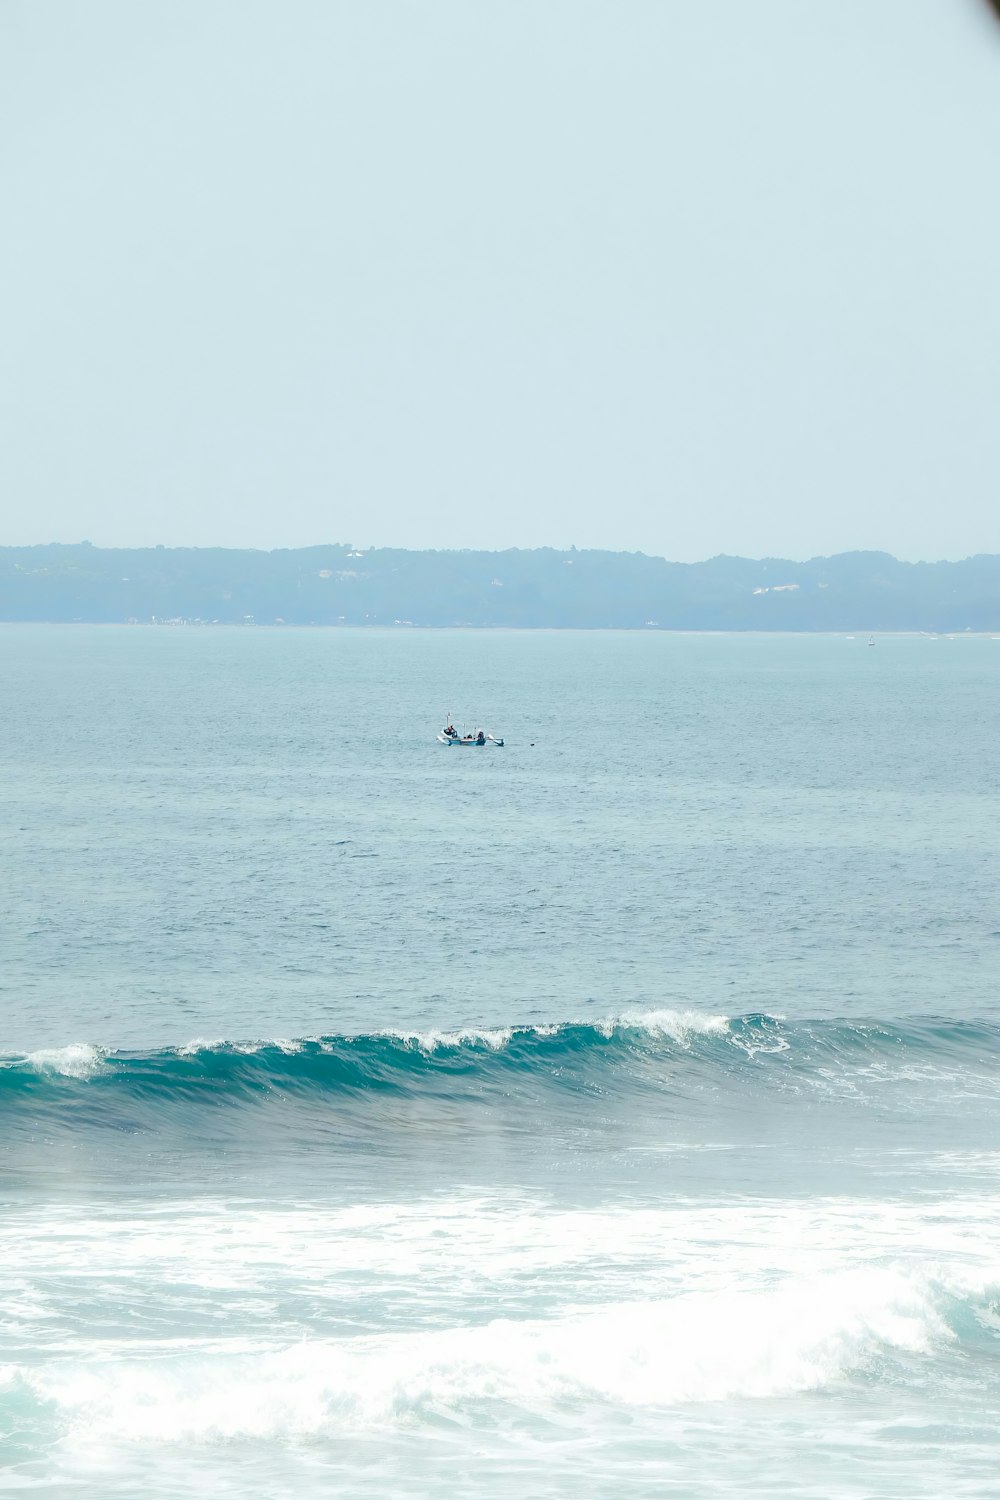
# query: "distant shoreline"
[[540, 589]]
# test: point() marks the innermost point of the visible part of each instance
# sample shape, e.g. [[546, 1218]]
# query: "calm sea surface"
[[615, 1113]]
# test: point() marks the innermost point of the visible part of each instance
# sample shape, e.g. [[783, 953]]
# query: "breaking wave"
[[78, 1060], [657, 1051], [808, 1334]]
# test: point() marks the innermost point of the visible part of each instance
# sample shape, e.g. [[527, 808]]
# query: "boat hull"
[[447, 739]]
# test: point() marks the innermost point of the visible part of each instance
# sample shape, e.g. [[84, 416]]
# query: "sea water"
[[614, 1113]]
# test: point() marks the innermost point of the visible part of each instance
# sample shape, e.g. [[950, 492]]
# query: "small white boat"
[[450, 736]]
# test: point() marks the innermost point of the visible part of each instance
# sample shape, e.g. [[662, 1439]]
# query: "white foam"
[[494, 1037], [78, 1060], [636, 1308], [431, 1250], [201, 1044], [288, 1045], [678, 1025], [247, 1048], [802, 1336]]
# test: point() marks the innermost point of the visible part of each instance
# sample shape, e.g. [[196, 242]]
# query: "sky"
[[645, 275]]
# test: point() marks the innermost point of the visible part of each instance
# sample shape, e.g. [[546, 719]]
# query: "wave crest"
[[77, 1060], [639, 1051]]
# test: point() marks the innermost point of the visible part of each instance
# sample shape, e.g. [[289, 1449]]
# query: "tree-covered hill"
[[340, 584]]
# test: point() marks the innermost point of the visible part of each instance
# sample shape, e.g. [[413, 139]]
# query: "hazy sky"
[[684, 276]]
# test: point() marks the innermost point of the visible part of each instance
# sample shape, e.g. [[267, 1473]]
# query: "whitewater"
[[587, 1118]]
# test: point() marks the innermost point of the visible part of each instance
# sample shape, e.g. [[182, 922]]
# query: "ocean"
[[613, 1113]]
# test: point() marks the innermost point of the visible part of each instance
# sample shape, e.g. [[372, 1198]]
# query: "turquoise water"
[[616, 1112]]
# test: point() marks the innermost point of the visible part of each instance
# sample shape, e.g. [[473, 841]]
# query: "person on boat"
[[451, 732], [480, 738]]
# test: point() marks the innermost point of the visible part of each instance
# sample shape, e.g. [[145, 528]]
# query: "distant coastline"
[[518, 589]]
